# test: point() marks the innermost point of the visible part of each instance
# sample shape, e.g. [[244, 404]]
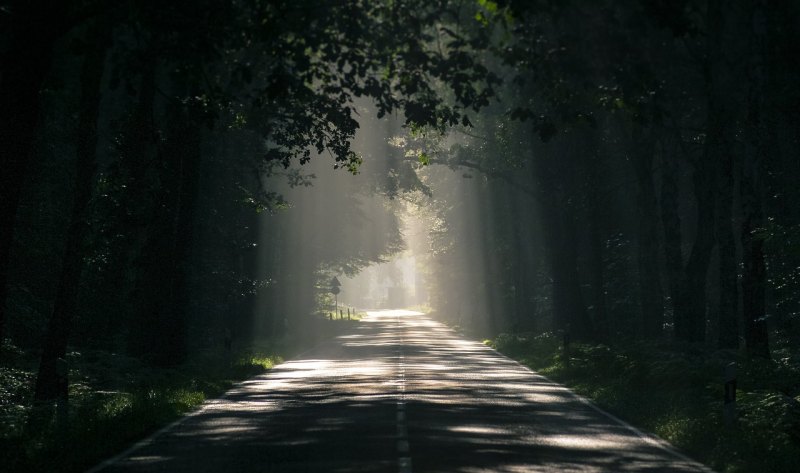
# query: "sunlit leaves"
[[487, 9], [263, 201], [303, 80]]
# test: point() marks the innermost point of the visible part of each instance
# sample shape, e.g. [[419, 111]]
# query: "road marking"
[[403, 459]]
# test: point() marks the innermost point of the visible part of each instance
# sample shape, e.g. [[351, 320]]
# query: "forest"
[[604, 190]]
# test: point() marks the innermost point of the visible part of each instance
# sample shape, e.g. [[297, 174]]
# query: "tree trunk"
[[568, 304], [138, 157], [705, 179], [559, 229], [600, 320], [158, 328], [50, 383], [718, 159], [754, 278], [34, 30], [673, 241], [651, 299], [728, 281], [693, 328], [596, 262], [185, 147]]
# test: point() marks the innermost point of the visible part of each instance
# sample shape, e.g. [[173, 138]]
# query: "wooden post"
[[729, 407], [330, 315], [348, 313]]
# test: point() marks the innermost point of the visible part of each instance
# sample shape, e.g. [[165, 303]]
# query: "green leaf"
[[423, 158]]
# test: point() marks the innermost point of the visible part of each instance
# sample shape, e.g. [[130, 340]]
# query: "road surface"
[[401, 394]]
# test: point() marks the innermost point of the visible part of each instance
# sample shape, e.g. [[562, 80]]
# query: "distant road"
[[402, 394]]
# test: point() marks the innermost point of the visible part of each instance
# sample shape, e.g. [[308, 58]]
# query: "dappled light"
[[464, 408]]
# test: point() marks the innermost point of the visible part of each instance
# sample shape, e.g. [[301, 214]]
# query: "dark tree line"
[[643, 151]]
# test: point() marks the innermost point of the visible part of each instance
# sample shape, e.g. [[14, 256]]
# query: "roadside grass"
[[677, 394], [116, 400]]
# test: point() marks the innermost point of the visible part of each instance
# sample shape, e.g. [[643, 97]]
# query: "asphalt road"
[[402, 394]]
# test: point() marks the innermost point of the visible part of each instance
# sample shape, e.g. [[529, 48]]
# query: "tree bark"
[[596, 264], [754, 278], [556, 201], [673, 240], [34, 30], [568, 304], [728, 280], [718, 153], [705, 180], [138, 157], [651, 298], [693, 328], [50, 383], [185, 147], [158, 329]]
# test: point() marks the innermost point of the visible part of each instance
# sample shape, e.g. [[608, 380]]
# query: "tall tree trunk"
[[718, 159], [526, 263], [673, 241], [556, 201], [138, 157], [34, 29], [519, 305], [51, 383], [158, 329], [694, 318], [185, 146], [651, 298], [596, 262], [602, 326], [728, 281], [754, 278], [568, 304], [705, 179]]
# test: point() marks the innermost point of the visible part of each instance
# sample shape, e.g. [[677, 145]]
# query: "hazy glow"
[[390, 313]]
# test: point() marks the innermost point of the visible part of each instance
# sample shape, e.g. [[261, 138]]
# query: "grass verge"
[[677, 393], [116, 400]]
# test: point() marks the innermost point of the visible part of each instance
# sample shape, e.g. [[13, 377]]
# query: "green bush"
[[114, 400]]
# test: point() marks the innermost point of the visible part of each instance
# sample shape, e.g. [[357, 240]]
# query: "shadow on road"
[[468, 409]]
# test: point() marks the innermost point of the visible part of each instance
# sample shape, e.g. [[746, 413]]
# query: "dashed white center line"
[[403, 458]]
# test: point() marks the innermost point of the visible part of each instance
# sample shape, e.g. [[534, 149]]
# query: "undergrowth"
[[676, 392], [113, 401]]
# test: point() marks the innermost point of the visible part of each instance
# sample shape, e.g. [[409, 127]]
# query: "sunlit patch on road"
[[402, 393], [380, 315]]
